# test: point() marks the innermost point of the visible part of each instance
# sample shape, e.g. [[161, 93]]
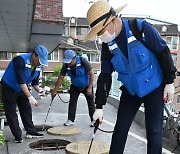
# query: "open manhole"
[[42, 127], [49, 144]]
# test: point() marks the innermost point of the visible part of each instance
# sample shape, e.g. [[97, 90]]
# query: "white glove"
[[44, 91], [41, 92], [98, 114], [33, 101], [168, 93]]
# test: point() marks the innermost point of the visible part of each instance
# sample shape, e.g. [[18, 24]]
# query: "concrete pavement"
[[136, 142]]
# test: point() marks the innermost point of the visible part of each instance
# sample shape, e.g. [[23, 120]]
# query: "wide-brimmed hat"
[[99, 15]]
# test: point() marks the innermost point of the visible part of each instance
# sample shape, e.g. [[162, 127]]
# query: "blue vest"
[[9, 76], [141, 72], [81, 79]]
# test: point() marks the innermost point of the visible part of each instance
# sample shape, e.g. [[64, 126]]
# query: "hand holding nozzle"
[[53, 93], [98, 114], [96, 125], [168, 93]]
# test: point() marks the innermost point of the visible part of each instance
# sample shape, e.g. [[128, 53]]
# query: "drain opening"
[[49, 144], [40, 127]]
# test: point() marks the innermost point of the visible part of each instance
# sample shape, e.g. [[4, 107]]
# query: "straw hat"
[[99, 15]]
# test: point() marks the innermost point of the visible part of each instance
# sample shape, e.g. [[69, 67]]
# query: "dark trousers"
[[128, 108], [11, 99], [74, 94]]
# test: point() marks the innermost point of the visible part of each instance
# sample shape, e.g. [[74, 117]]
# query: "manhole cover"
[[49, 144], [82, 147], [42, 127], [65, 131]]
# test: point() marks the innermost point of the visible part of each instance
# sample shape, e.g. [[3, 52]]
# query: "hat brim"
[[67, 60], [43, 62], [93, 32]]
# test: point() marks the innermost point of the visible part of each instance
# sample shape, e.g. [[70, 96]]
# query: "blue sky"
[[166, 10]]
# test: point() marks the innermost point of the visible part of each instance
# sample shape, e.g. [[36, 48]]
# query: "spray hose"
[[62, 99]]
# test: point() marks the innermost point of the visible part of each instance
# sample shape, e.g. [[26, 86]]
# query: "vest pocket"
[[118, 64], [125, 79], [139, 54], [147, 81]]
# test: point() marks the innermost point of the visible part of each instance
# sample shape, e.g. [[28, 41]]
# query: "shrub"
[[2, 139]]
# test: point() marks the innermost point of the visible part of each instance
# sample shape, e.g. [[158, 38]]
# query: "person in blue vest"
[[145, 67], [22, 71], [81, 73]]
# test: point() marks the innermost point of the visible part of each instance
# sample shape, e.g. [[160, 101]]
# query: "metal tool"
[[47, 113], [96, 125]]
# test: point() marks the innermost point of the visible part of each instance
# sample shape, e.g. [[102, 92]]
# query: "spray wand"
[[96, 125]]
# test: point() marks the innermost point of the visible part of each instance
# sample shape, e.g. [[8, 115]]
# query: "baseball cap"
[[68, 56], [42, 53]]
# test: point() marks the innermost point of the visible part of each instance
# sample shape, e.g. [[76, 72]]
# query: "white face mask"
[[107, 37]]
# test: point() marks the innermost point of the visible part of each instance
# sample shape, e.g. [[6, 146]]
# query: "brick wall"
[[96, 66], [51, 66], [48, 11], [4, 64]]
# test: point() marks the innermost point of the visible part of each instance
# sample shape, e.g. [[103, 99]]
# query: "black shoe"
[[34, 135], [92, 124], [18, 140]]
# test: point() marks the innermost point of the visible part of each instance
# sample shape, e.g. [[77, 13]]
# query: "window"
[[82, 30], [172, 42], [5, 55], [92, 57], [174, 57], [164, 28], [1, 74], [54, 56], [178, 99], [66, 31]]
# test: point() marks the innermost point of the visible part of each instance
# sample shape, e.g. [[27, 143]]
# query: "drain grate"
[[49, 144]]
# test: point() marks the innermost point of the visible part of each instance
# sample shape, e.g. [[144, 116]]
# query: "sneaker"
[[68, 123], [92, 124], [18, 140], [34, 135]]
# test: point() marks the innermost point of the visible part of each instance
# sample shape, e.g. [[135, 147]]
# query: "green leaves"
[[2, 138]]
